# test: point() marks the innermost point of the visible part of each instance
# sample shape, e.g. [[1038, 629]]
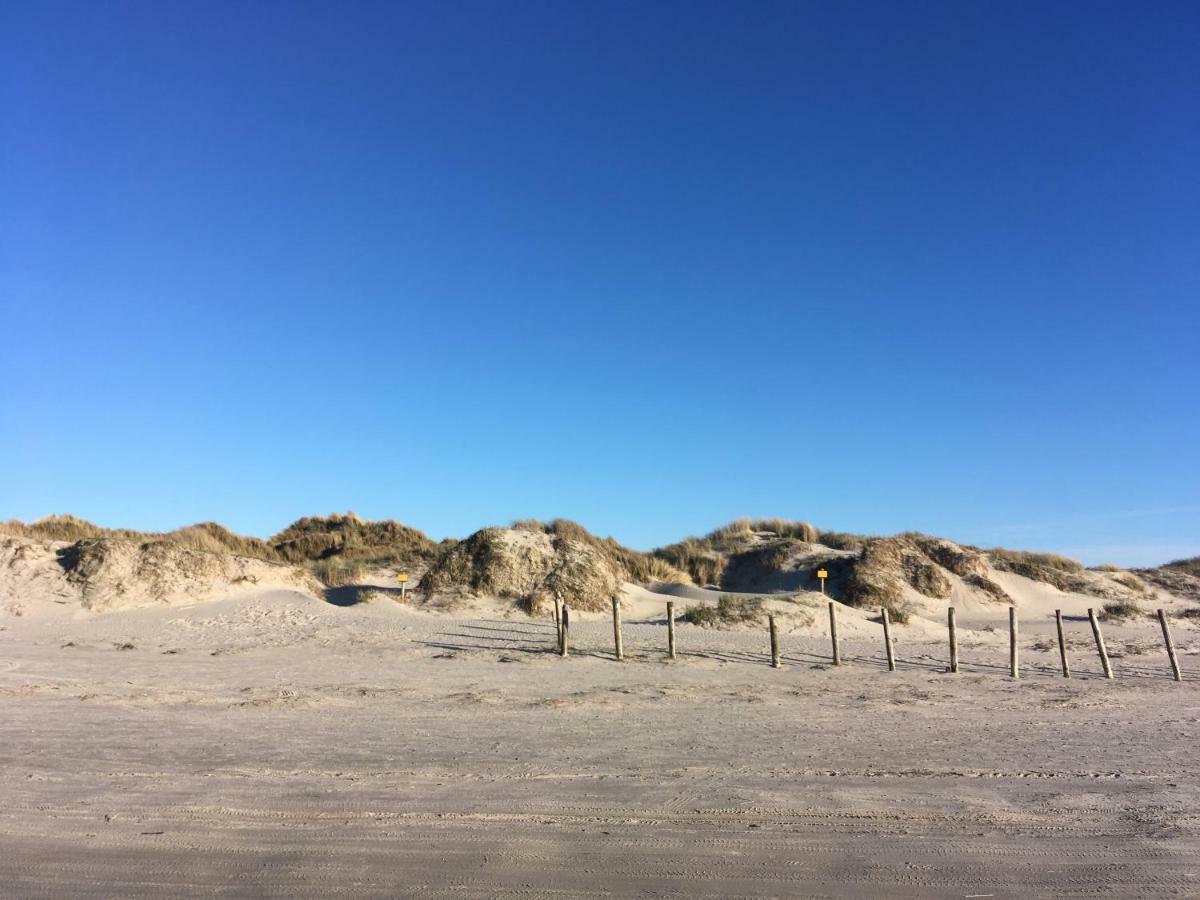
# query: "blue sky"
[[650, 266]]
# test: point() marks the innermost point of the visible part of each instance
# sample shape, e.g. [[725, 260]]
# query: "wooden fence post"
[[670, 629], [887, 639], [1166, 630], [1108, 673], [1062, 644], [775, 661], [1014, 667], [953, 639], [616, 604], [564, 631], [833, 635]]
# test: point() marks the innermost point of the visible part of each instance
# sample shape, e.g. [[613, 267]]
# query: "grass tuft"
[[1119, 611], [730, 610], [337, 572]]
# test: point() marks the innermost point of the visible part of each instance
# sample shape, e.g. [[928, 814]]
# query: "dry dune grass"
[[885, 566], [348, 536], [533, 561], [1131, 581], [1048, 568], [1120, 610], [706, 558], [729, 610], [732, 535], [64, 528], [334, 547], [704, 565], [208, 537], [213, 538], [520, 564], [335, 571], [1189, 566], [636, 566]]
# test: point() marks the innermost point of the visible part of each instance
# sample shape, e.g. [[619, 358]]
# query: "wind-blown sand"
[[273, 744]]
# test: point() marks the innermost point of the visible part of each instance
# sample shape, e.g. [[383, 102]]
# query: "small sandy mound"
[[108, 573]]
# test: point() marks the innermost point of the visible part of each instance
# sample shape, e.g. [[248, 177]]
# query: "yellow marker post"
[[403, 579], [822, 574]]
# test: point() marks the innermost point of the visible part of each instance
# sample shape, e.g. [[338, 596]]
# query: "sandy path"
[[292, 749]]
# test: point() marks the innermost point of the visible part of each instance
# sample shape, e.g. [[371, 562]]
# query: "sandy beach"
[[274, 744]]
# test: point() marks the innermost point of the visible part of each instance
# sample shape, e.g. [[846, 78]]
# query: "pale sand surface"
[[274, 745]]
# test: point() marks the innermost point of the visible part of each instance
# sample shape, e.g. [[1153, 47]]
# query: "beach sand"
[[275, 745]]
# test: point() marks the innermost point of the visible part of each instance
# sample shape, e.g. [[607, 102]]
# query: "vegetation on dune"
[[884, 567], [841, 540], [533, 561], [705, 559], [1048, 568], [213, 538], [1119, 610], [64, 528], [733, 536], [527, 564], [632, 565], [317, 542], [1190, 566], [565, 558], [336, 571], [208, 537], [1132, 582], [730, 610], [1176, 578], [383, 542], [1003, 557], [703, 565]]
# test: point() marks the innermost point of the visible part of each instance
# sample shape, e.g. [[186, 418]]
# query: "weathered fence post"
[[670, 629], [833, 635], [775, 661], [1014, 667], [1108, 673], [557, 613], [887, 639], [1166, 630], [953, 639], [564, 631], [1062, 644], [616, 603]]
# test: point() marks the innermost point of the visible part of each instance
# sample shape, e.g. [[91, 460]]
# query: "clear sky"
[[649, 265]]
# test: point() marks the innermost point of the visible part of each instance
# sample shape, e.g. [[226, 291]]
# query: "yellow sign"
[[402, 577], [821, 573]]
